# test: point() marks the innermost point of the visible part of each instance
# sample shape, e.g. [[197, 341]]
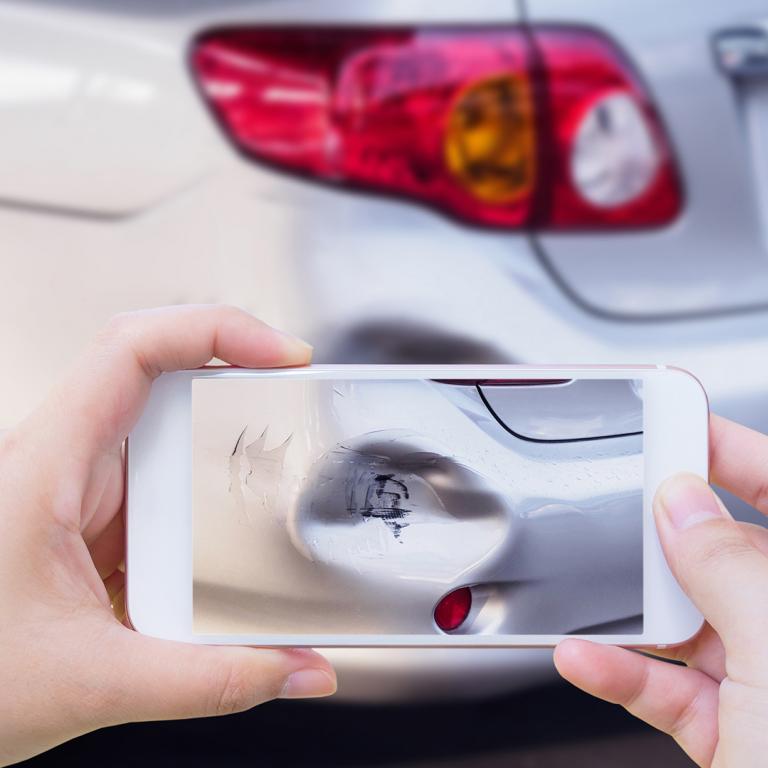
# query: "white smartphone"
[[409, 506]]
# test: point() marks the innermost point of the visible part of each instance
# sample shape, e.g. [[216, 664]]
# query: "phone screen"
[[364, 506]]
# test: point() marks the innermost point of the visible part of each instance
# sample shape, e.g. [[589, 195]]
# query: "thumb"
[[164, 680], [716, 562]]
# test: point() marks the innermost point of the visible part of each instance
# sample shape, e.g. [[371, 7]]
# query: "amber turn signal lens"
[[490, 142]]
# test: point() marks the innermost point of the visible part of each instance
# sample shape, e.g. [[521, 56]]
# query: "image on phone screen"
[[366, 506]]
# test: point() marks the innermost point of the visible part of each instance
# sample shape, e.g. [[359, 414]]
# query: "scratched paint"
[[380, 501], [256, 474], [384, 499]]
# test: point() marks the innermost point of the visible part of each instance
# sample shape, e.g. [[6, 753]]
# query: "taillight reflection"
[[452, 610], [507, 127]]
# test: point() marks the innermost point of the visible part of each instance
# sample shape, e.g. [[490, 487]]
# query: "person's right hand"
[[716, 707]]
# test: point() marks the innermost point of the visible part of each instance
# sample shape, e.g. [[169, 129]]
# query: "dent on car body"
[[345, 526], [399, 503]]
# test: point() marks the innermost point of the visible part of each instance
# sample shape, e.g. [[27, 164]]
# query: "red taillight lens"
[[429, 115], [501, 127], [453, 609], [609, 163]]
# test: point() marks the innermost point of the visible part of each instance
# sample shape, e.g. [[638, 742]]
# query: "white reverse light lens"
[[614, 157]]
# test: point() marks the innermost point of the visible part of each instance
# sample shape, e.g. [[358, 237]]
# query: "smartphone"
[[409, 506]]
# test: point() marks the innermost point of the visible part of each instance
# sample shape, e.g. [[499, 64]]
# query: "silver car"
[[407, 506]]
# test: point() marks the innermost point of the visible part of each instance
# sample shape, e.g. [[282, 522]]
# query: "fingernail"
[[308, 684], [687, 500]]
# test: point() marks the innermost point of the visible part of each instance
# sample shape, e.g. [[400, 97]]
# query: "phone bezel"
[[159, 503]]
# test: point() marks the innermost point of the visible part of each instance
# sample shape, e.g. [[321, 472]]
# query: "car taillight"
[[609, 163], [452, 610], [508, 127]]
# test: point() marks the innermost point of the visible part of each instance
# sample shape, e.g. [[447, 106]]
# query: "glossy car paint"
[[354, 506]]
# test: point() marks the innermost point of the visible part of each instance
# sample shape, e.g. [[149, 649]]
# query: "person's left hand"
[[67, 663]]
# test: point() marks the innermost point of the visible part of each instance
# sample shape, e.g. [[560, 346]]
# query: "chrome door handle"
[[742, 52]]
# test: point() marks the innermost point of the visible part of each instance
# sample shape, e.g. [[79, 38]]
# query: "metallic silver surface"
[[571, 410], [363, 503]]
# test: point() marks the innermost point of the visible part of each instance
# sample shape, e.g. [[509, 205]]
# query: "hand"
[[716, 707], [67, 663]]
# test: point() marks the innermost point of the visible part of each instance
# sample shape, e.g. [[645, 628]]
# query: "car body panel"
[[399, 492], [714, 256], [581, 410]]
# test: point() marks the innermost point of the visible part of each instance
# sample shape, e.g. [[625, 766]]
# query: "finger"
[[103, 494], [738, 458], [108, 550], [703, 652], [78, 432], [678, 701], [757, 535], [717, 564], [97, 405], [153, 679]]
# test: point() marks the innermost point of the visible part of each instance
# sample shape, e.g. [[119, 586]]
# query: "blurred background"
[[423, 181]]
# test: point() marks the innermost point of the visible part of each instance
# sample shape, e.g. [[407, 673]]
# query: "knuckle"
[[123, 334], [683, 715], [232, 691], [225, 314], [727, 547], [637, 690]]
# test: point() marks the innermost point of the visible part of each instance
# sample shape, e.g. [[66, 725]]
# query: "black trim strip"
[[540, 440], [504, 382]]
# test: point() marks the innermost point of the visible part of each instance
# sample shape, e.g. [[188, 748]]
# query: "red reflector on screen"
[[453, 609], [499, 127]]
